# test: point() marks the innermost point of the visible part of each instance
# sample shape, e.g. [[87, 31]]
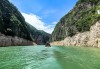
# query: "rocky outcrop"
[[89, 39], [58, 43], [13, 41]]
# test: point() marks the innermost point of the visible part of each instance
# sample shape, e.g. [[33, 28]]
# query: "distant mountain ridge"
[[38, 36]]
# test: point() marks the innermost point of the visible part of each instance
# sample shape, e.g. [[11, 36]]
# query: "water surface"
[[55, 57]]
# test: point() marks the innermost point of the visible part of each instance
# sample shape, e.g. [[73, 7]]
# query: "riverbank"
[[13, 41], [88, 39], [57, 43]]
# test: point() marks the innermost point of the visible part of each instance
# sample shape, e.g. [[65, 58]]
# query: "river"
[[55, 57]]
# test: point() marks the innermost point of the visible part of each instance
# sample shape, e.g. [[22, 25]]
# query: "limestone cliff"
[[12, 26], [80, 27], [90, 38], [78, 20], [14, 31], [12, 23], [14, 41]]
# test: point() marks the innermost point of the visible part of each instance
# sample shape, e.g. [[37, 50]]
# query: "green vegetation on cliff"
[[38, 36], [12, 23], [79, 19]]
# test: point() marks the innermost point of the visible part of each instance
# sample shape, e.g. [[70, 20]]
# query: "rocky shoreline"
[[88, 39], [13, 41]]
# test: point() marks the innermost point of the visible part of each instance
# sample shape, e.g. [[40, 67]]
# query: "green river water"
[[55, 57]]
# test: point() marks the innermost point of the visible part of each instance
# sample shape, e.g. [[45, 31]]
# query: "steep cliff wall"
[[79, 19], [13, 41], [14, 30], [90, 38], [12, 23]]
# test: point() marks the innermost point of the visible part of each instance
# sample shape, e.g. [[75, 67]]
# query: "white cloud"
[[37, 22]]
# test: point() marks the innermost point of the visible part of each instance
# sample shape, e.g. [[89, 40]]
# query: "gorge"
[[75, 41], [80, 27]]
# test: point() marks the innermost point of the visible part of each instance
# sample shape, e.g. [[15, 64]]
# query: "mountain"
[[78, 20], [38, 36], [12, 23], [14, 30]]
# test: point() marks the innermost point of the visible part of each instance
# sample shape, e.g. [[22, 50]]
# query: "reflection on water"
[[41, 57]]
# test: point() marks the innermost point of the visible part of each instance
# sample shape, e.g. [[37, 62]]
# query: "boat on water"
[[47, 44]]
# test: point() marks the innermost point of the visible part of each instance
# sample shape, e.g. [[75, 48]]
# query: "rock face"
[[14, 30], [13, 41], [12, 23], [90, 38], [80, 27], [78, 20], [58, 43]]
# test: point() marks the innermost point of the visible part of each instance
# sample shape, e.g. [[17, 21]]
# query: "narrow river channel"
[[55, 57]]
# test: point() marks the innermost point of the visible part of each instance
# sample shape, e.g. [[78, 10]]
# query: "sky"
[[44, 14]]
